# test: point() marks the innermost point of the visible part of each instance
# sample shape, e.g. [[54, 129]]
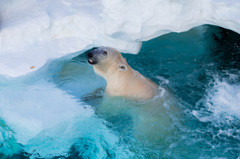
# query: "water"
[[62, 111]]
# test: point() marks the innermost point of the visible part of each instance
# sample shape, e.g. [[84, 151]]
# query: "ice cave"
[[53, 105]]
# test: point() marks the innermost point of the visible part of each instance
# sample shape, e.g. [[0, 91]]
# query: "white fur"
[[121, 79]]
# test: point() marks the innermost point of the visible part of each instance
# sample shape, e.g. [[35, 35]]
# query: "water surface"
[[62, 111]]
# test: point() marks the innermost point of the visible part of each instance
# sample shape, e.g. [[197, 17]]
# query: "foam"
[[32, 32], [221, 101], [225, 98]]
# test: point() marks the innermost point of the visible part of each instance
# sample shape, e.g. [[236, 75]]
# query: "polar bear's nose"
[[90, 55]]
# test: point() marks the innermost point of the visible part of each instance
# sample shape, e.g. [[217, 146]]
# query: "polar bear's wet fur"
[[121, 79]]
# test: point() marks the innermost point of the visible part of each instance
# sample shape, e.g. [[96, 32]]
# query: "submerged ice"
[[44, 121], [32, 32]]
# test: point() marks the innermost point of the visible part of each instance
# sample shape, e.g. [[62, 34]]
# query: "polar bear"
[[121, 79], [150, 121]]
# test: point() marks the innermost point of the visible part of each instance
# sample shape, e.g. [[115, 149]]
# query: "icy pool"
[[62, 111]]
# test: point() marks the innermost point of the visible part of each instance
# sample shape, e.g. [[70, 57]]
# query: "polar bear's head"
[[106, 60]]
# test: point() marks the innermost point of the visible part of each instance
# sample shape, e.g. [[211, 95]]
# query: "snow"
[[33, 32]]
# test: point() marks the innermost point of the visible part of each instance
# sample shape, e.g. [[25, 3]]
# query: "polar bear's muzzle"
[[92, 59], [95, 55]]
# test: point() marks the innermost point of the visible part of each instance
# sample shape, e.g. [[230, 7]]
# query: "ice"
[[156, 17], [32, 32], [36, 115]]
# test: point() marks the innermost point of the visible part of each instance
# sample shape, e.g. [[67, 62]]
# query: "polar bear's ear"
[[122, 67]]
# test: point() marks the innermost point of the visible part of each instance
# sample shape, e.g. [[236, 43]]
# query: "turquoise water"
[[61, 111]]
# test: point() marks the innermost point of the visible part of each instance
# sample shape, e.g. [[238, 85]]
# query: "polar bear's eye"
[[122, 68], [105, 52]]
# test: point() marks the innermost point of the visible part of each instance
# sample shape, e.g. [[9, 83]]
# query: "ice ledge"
[[32, 32]]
